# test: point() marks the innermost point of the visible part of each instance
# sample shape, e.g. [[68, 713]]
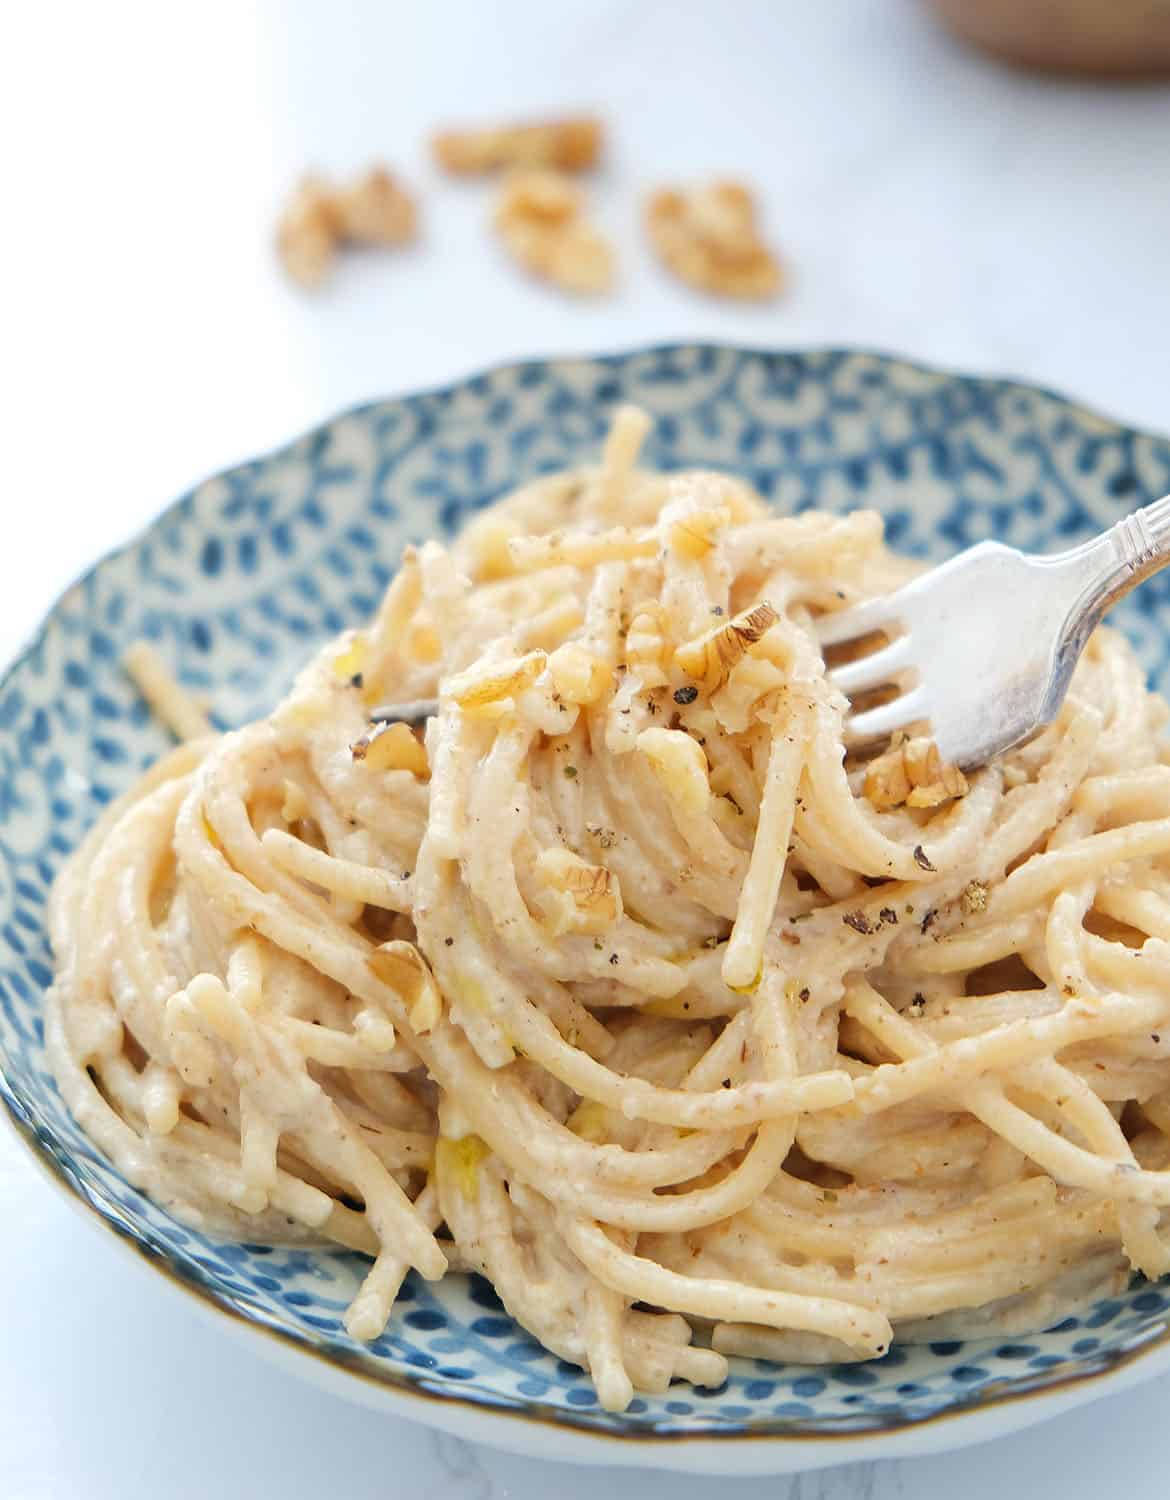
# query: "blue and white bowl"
[[242, 577]]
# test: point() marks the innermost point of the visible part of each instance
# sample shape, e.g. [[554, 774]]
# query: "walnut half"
[[376, 210], [319, 218], [708, 237], [306, 238], [540, 220], [569, 145]]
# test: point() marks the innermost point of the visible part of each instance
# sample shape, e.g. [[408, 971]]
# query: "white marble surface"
[[928, 203]]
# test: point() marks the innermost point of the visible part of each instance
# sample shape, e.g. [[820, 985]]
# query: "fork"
[[984, 646]]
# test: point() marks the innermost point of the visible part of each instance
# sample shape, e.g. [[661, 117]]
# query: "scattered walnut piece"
[[308, 233], [376, 210], [320, 218], [912, 773], [539, 218], [569, 145], [708, 237]]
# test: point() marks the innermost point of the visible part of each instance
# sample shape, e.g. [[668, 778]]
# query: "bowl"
[[240, 579], [1097, 38]]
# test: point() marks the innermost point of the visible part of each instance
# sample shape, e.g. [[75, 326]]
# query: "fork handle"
[[1109, 565]]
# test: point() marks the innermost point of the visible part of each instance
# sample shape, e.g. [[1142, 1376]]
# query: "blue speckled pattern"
[[239, 580]]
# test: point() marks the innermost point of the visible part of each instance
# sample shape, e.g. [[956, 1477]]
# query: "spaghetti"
[[613, 985]]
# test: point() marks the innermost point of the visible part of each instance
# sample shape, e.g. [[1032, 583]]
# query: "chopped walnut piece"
[[577, 675], [594, 896], [646, 644], [680, 766], [483, 687], [320, 218], [886, 781], [708, 237], [539, 218], [403, 967], [710, 658], [693, 536], [569, 145], [392, 747], [912, 773], [973, 898]]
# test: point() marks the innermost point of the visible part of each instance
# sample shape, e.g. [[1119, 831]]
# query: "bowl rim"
[[996, 1407]]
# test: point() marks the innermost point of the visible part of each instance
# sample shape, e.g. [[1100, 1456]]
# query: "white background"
[[927, 202]]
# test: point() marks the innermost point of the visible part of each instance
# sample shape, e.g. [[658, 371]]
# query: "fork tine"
[[861, 619], [878, 723], [416, 712], [872, 670]]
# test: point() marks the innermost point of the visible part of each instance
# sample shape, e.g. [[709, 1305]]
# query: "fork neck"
[[1106, 568]]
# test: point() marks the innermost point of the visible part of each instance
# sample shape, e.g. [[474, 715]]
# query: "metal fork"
[[984, 646]]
